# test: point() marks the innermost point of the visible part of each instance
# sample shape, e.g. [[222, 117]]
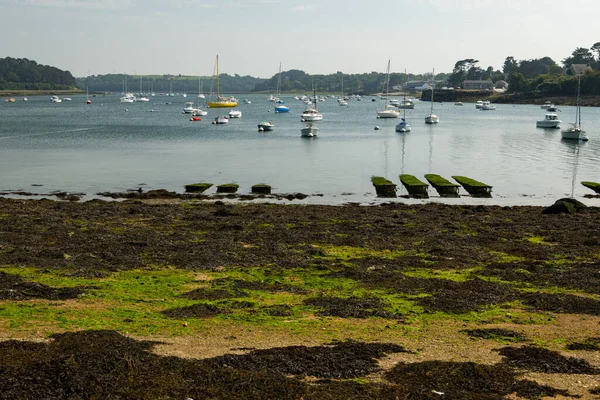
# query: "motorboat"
[[343, 102], [403, 126], [235, 114], [272, 98], [550, 121], [220, 120], [193, 118], [55, 99], [199, 112], [309, 131], [246, 101], [265, 126], [394, 102], [25, 99], [189, 107], [479, 104], [67, 99], [487, 106], [407, 104], [389, 112], [142, 99], [546, 105], [11, 100], [458, 103]]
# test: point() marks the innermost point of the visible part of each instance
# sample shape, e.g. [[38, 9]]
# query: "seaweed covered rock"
[[565, 206]]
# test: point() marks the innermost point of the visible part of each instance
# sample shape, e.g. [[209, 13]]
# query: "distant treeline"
[[167, 83], [556, 85], [24, 74]]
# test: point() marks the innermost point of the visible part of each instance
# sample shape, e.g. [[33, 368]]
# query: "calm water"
[[108, 146]]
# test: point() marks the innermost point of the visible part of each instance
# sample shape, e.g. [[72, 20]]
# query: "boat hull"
[[574, 134], [403, 127], [309, 131], [265, 127], [548, 124], [222, 104], [388, 114], [282, 109], [432, 119]]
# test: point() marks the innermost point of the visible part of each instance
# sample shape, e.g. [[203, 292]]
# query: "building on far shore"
[[578, 69], [478, 85]]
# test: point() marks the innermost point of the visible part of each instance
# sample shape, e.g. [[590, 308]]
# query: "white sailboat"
[[143, 98], [342, 101], [200, 94], [389, 111], [312, 114], [575, 132], [127, 97], [432, 118], [403, 126]]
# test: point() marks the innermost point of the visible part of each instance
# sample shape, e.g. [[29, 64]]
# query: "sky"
[[251, 37]]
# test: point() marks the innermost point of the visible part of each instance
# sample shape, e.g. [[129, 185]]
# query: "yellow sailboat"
[[221, 102]]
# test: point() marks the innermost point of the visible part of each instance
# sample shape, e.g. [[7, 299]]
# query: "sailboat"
[[403, 126], [280, 107], [389, 110], [200, 94], [142, 98], [127, 97], [432, 118], [575, 132], [312, 114], [87, 96], [342, 101], [221, 102]]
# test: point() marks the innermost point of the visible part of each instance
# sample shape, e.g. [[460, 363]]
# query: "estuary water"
[[109, 146]]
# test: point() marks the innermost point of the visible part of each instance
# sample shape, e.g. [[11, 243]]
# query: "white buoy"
[[376, 127]]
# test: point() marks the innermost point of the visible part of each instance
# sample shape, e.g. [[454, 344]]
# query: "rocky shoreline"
[[202, 300]]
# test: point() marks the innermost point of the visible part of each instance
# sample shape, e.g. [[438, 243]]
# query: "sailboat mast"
[[404, 95], [279, 81], [432, 86], [578, 116], [217, 67]]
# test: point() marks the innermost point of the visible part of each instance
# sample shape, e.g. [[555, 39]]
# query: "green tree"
[[510, 65], [580, 55], [516, 82]]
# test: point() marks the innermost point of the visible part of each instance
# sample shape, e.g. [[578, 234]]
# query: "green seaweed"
[[228, 188], [197, 187], [475, 188], [595, 186], [414, 186], [444, 187], [261, 188], [383, 187]]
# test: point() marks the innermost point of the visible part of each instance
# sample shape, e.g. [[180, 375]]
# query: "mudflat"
[[178, 299]]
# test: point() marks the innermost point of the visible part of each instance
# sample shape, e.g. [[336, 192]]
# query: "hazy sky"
[[318, 36]]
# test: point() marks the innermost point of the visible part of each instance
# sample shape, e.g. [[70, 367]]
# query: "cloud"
[[79, 4], [308, 7]]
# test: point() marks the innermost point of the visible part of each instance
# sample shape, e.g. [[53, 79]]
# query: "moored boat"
[[550, 121], [574, 132], [221, 101], [235, 114], [309, 131], [220, 120], [265, 126]]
